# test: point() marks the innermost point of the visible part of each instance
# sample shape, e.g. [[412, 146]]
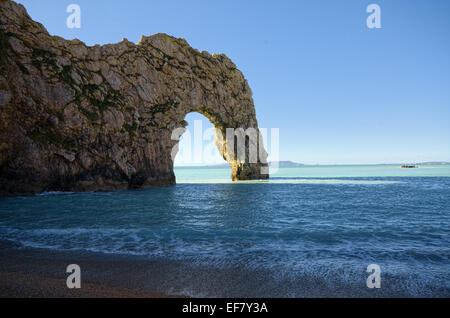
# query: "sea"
[[310, 231]]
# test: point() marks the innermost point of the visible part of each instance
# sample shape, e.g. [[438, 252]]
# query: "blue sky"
[[338, 91]]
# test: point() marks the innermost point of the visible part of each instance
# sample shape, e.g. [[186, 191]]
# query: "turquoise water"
[[222, 175], [309, 231]]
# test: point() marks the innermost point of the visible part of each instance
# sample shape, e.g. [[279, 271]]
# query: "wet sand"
[[42, 274]]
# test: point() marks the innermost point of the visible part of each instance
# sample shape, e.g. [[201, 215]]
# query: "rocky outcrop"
[[79, 118]]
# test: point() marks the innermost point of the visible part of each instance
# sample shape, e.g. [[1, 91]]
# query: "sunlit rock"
[[80, 118]]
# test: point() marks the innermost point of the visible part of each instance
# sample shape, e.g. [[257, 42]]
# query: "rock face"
[[79, 118]]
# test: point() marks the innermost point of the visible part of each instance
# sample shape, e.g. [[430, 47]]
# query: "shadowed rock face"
[[79, 118]]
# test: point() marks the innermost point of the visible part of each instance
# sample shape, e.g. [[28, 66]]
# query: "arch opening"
[[196, 145], [198, 158], [204, 143]]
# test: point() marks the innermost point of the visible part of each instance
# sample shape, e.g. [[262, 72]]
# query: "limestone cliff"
[[79, 118]]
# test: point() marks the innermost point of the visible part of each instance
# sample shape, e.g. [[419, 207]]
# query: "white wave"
[[290, 181], [51, 193]]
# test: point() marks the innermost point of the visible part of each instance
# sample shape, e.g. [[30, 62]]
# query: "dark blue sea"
[[303, 234]]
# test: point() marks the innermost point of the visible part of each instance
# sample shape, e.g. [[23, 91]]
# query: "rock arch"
[[78, 118]]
